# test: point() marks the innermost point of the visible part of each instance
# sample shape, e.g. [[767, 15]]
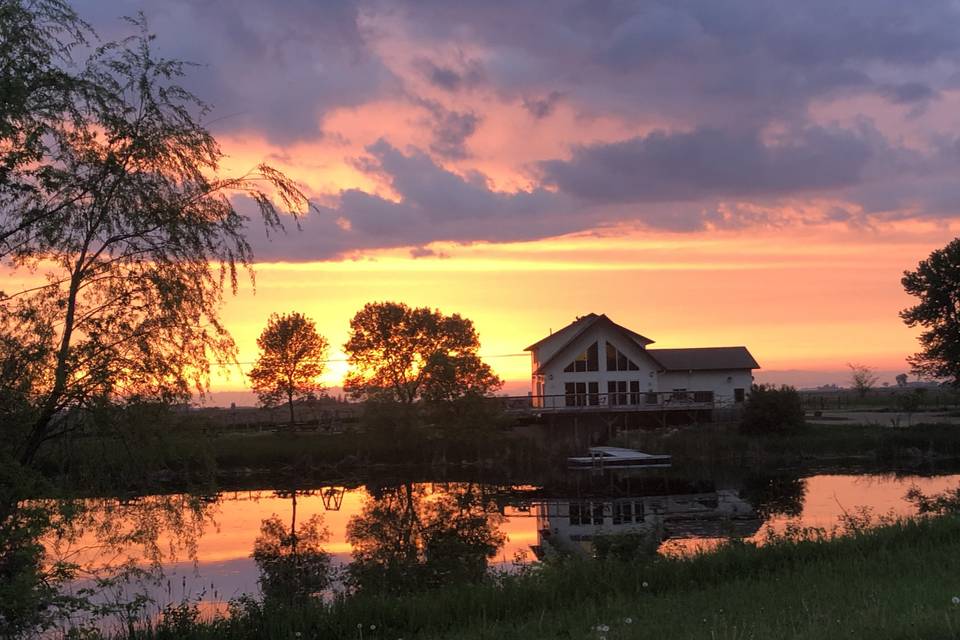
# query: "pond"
[[397, 535]]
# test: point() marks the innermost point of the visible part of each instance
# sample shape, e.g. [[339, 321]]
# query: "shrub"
[[772, 409]]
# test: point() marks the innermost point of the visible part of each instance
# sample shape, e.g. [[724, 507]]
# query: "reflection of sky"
[[223, 568]]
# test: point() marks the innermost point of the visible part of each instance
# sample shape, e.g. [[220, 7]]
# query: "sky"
[[707, 174]]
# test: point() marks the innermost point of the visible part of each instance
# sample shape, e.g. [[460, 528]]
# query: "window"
[[593, 395], [703, 396], [576, 393], [616, 361], [739, 395], [616, 392], [634, 392], [589, 360]]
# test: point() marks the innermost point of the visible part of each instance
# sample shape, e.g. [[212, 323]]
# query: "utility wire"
[[329, 360]]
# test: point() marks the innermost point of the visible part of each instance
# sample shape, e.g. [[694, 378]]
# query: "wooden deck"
[[609, 403]]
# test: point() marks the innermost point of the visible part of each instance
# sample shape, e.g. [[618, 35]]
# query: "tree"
[[901, 379], [39, 92], [936, 283], [292, 357], [770, 409], [406, 354], [862, 378], [123, 212]]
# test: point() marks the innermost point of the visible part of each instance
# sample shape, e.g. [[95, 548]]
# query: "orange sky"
[[811, 299], [755, 176]]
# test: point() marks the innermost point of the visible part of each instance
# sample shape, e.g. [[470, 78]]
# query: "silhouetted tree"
[[405, 354], [770, 409], [901, 379], [862, 378], [39, 91], [292, 358], [936, 282], [122, 208]]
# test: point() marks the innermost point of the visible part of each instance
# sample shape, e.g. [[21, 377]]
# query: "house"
[[595, 362]]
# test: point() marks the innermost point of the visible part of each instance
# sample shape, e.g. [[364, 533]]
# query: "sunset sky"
[[706, 173]]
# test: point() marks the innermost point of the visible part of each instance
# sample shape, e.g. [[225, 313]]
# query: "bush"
[[772, 409]]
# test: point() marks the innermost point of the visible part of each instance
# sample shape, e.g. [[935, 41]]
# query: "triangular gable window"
[[589, 360], [616, 361]]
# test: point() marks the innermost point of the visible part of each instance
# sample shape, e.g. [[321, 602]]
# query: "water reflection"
[[639, 523], [395, 536], [418, 536], [291, 560], [72, 563]]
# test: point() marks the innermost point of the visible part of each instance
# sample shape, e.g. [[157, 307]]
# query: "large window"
[[617, 392], [579, 394], [589, 360], [616, 361], [576, 393]]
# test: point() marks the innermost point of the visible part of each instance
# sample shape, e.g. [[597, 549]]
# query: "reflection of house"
[[594, 362], [572, 525]]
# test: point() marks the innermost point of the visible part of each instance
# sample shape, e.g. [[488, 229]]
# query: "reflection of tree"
[[416, 536], [775, 495], [45, 544], [293, 565]]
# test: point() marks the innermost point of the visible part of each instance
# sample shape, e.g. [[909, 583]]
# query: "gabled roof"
[[704, 358], [573, 330], [577, 328]]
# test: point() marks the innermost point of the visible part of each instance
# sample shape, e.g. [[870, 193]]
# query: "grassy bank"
[[895, 581], [826, 443], [181, 454]]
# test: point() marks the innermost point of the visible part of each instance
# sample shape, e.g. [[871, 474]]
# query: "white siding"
[[722, 383], [555, 377]]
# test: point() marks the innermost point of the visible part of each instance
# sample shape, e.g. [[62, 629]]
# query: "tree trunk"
[[290, 404], [40, 428]]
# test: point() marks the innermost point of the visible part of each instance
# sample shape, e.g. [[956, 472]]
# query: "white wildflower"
[[955, 599], [628, 620]]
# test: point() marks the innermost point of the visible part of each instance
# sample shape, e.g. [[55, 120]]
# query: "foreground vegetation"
[[814, 444], [893, 581]]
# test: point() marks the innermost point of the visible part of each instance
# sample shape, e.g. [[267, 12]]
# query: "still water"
[[382, 535]]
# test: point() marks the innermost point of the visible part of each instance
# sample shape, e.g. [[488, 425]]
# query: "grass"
[[894, 581], [814, 443]]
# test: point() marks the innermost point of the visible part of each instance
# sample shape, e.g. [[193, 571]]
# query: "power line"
[[329, 360]]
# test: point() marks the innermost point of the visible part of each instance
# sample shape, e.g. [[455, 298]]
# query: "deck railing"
[[612, 401]]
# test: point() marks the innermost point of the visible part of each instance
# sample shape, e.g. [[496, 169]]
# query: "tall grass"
[[896, 580], [815, 442]]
